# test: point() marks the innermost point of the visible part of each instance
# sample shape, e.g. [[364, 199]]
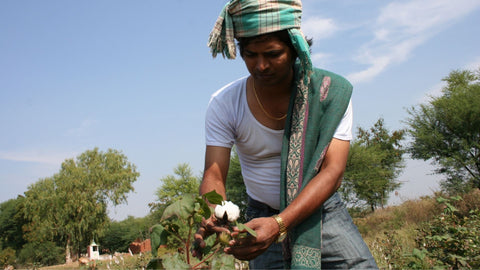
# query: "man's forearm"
[[309, 200], [208, 185], [321, 187]]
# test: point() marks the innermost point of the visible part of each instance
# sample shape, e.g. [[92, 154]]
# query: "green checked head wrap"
[[249, 18]]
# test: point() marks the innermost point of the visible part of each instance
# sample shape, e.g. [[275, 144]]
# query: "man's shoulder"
[[231, 89], [336, 79]]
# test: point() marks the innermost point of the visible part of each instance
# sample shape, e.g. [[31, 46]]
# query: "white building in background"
[[93, 251]]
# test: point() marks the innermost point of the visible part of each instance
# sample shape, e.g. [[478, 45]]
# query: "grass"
[[391, 233]]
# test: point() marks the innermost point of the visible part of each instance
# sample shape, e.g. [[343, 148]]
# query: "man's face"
[[269, 61]]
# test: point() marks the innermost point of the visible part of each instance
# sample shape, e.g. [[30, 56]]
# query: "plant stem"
[[187, 244], [179, 238], [206, 258]]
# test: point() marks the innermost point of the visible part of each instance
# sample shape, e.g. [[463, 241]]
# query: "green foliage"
[[11, 234], [390, 249], [179, 222], [71, 206], [235, 187], [173, 188], [374, 161], [447, 130], [428, 234], [452, 240], [119, 234], [41, 254], [139, 261], [7, 257], [364, 177]]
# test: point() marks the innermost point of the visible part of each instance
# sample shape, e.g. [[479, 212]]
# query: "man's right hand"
[[207, 228], [217, 160]]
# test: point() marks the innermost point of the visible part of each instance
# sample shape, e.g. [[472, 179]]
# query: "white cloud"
[[83, 129], [474, 65], [322, 58], [403, 26], [318, 28], [37, 156], [436, 90]]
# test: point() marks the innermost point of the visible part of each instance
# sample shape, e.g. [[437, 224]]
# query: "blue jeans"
[[272, 258], [342, 245]]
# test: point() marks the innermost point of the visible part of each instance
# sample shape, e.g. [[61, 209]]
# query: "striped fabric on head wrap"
[[249, 18]]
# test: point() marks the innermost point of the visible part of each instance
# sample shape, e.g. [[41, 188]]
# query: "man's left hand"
[[250, 247]]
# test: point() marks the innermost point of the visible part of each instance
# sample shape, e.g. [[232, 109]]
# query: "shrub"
[[469, 201], [41, 254], [179, 222], [452, 239], [7, 257], [427, 233], [391, 248]]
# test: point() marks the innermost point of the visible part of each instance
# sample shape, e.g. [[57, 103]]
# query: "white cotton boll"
[[232, 210], [219, 211]]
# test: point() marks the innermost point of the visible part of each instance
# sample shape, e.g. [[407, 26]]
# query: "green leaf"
[[419, 253], [182, 208], [223, 261], [197, 218], [174, 261], [158, 237], [456, 198], [243, 227], [441, 200], [171, 227], [451, 208], [204, 208], [210, 244], [213, 197], [155, 264]]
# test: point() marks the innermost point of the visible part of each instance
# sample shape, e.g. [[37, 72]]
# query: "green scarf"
[[314, 115]]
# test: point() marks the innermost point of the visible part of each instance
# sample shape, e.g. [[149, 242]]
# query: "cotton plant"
[[227, 211], [178, 224]]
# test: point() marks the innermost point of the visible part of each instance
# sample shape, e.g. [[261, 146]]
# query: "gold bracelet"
[[282, 233]]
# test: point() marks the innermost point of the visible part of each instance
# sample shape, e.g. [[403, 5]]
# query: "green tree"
[[174, 187], [120, 234], [374, 162], [235, 187], [364, 178], [11, 234], [71, 206], [446, 130]]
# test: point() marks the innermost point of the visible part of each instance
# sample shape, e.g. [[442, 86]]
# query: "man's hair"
[[282, 35]]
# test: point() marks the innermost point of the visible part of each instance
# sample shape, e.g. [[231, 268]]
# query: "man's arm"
[[321, 187], [217, 161], [317, 191]]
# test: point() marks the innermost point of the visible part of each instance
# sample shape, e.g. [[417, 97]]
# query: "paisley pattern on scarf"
[[324, 88], [295, 154], [306, 257]]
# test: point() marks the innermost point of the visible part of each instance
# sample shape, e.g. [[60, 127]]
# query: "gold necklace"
[[263, 109]]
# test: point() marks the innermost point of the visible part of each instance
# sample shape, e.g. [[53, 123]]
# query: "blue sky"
[[136, 76]]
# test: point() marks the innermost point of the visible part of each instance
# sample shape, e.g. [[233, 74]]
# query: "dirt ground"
[[61, 266]]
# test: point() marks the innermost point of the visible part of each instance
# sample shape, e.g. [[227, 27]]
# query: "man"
[[291, 125]]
